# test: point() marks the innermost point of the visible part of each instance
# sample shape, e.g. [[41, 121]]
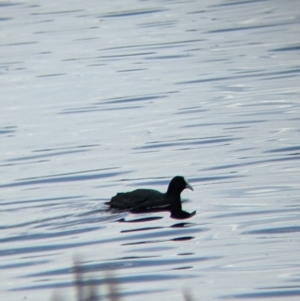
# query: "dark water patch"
[[119, 279], [279, 230], [132, 13], [174, 232], [165, 182], [278, 104], [54, 154], [183, 238], [130, 102], [148, 249], [296, 278], [34, 206], [160, 237], [125, 263], [40, 249], [216, 178], [20, 43], [5, 19], [92, 110], [142, 238], [242, 28], [131, 70], [23, 264], [47, 235], [74, 221], [38, 201], [263, 191], [247, 213], [57, 148], [242, 122], [12, 63], [182, 142], [50, 75], [183, 225], [156, 180], [230, 166], [294, 70], [274, 293], [295, 157], [234, 3], [249, 71], [58, 12], [281, 286], [275, 113], [138, 229], [7, 130], [61, 179], [131, 99], [97, 65], [212, 79], [79, 110], [146, 242], [235, 128], [157, 24], [41, 221], [164, 57], [160, 209], [285, 149], [287, 48], [126, 55], [24, 163], [86, 39], [238, 28], [69, 173], [193, 110], [7, 4], [279, 77], [79, 59], [183, 268], [155, 45], [196, 12], [136, 257]]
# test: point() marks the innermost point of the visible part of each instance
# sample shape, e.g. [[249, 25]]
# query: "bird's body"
[[148, 199], [139, 199]]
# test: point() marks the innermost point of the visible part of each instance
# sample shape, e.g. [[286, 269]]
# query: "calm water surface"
[[100, 98]]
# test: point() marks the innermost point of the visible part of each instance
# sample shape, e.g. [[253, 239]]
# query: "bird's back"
[[139, 199]]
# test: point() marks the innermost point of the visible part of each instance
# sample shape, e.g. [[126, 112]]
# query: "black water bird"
[[149, 200]]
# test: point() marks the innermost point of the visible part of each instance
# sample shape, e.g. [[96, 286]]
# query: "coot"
[[141, 200]]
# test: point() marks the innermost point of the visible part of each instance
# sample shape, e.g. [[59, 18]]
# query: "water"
[[100, 98]]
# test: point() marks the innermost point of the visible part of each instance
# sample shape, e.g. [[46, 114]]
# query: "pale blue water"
[[102, 97]]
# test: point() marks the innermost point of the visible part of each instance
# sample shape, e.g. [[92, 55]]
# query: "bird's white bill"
[[188, 185]]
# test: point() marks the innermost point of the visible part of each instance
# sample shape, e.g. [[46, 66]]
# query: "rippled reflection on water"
[[98, 99]]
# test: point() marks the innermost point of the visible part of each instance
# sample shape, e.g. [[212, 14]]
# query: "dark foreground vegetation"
[[91, 289]]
